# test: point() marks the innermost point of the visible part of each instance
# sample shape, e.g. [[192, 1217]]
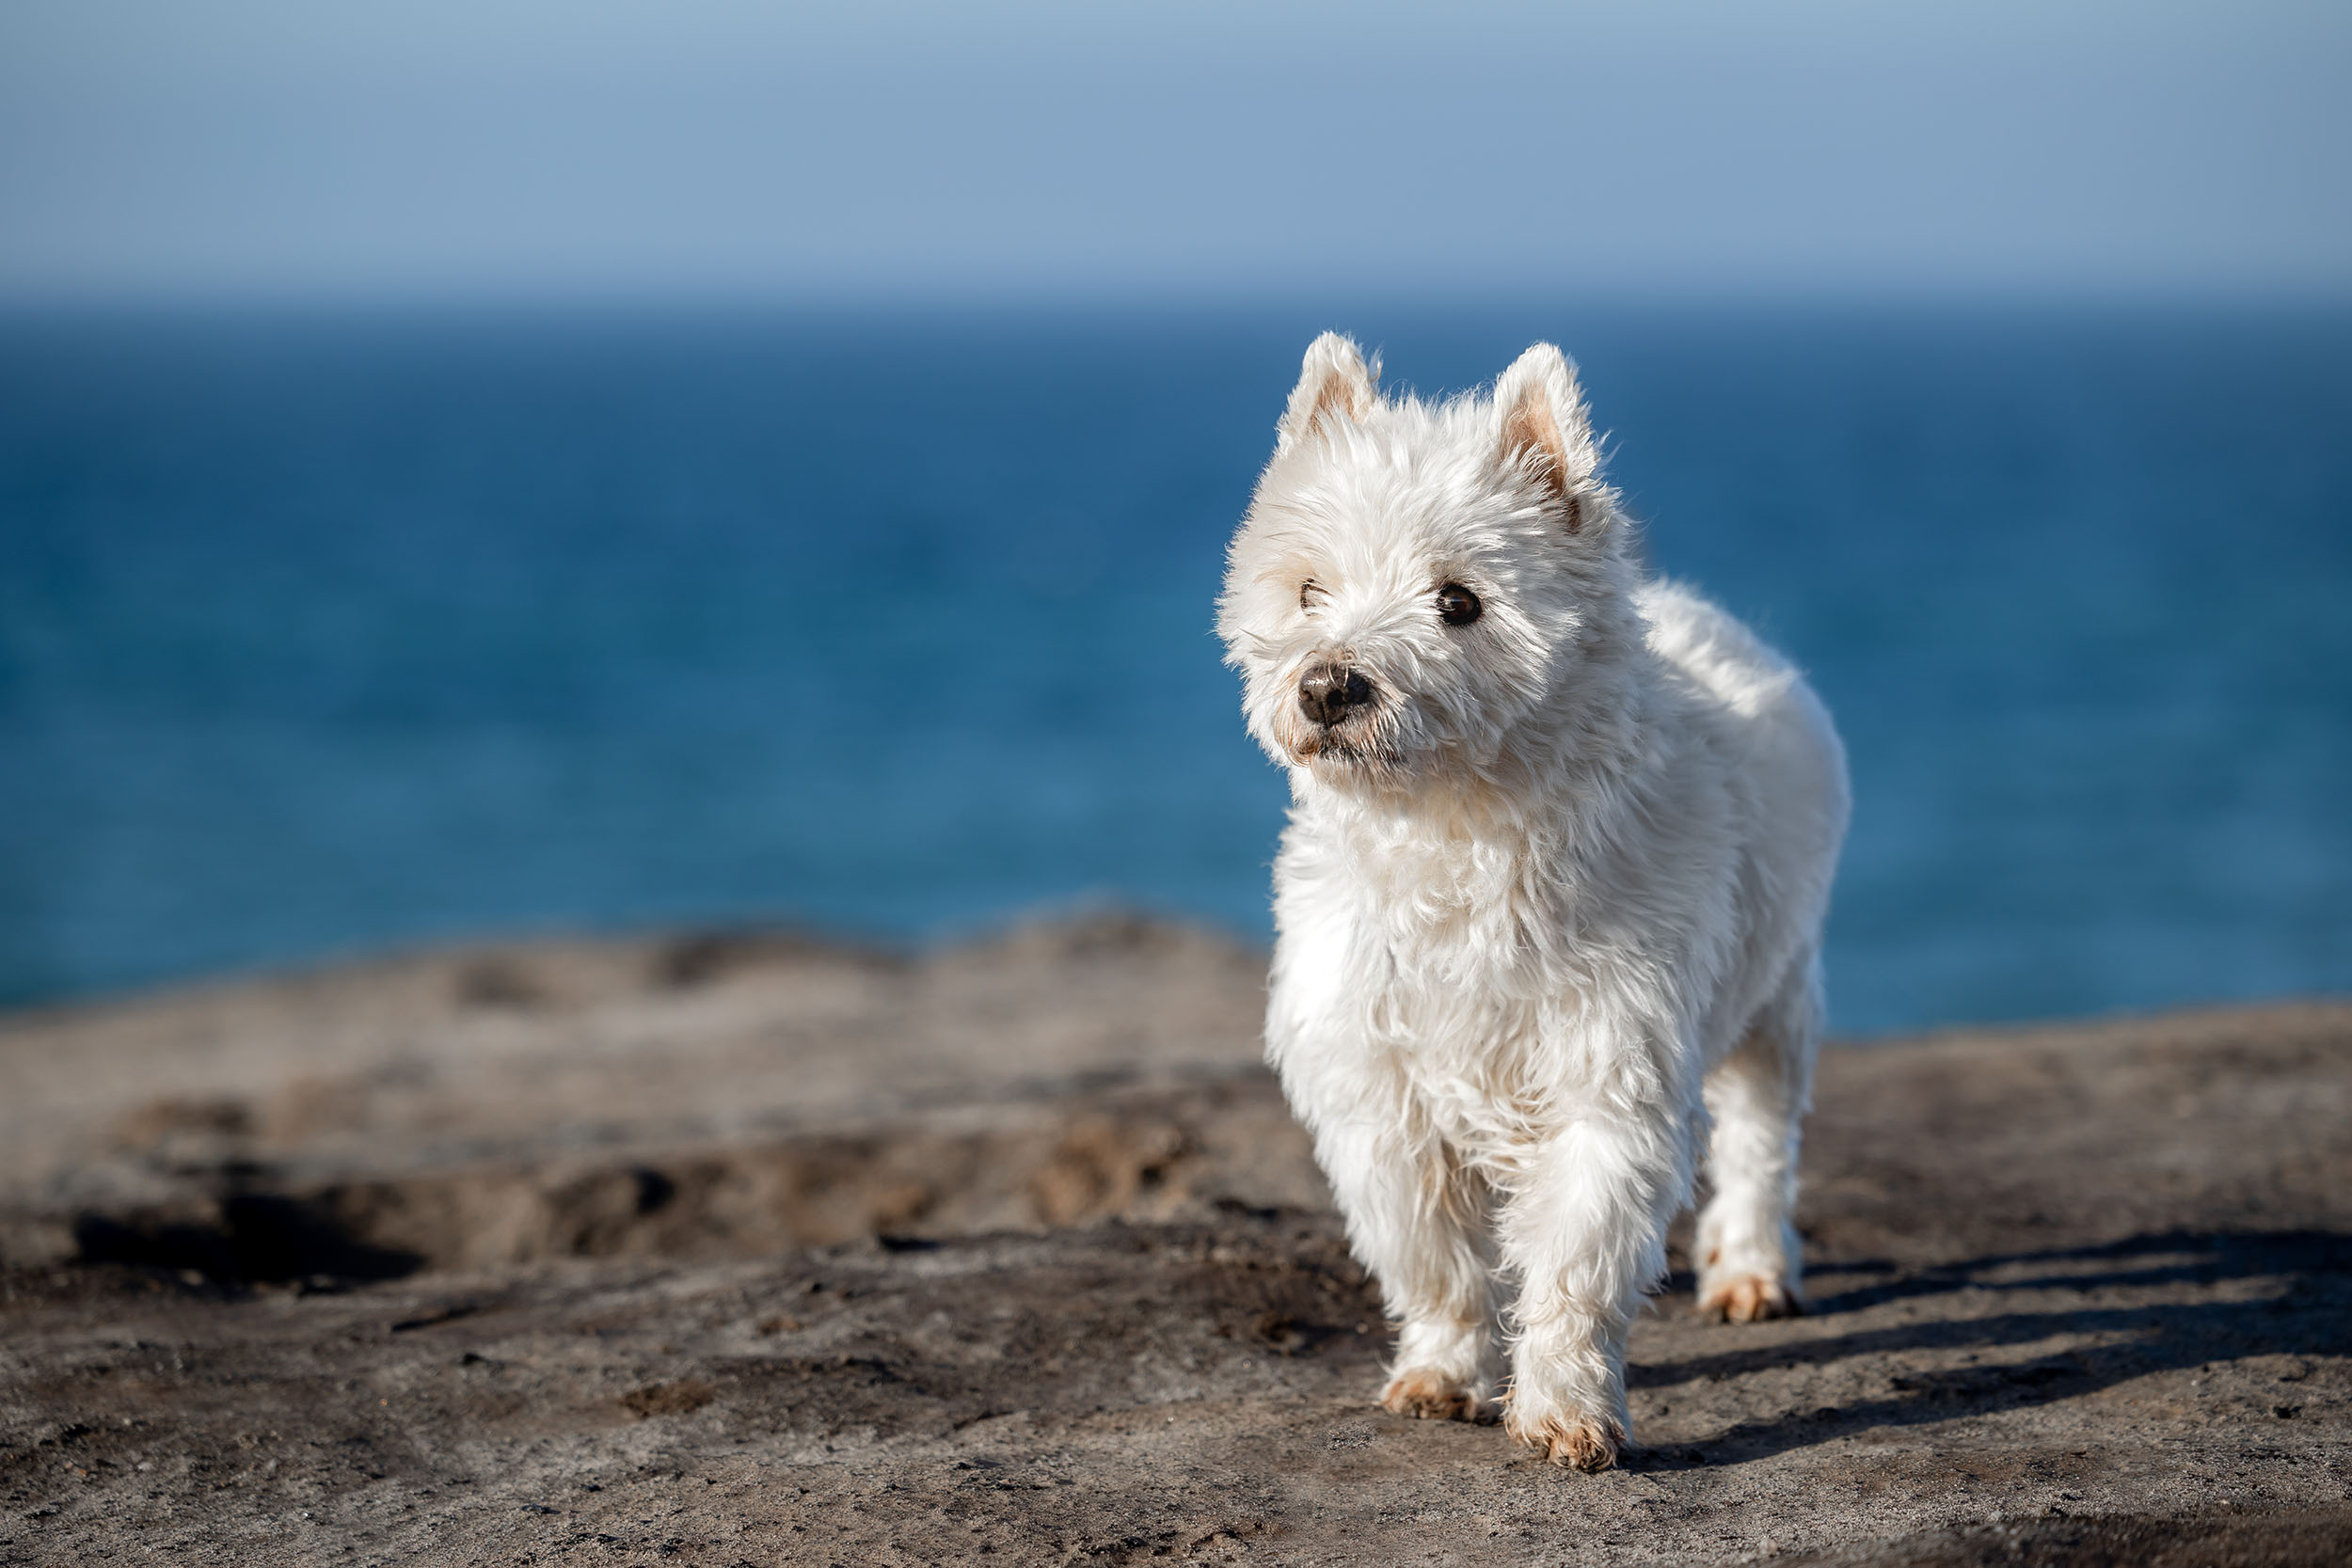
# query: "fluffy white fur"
[[1550, 903]]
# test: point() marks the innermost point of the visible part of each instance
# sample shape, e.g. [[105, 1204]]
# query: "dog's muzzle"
[[1329, 694]]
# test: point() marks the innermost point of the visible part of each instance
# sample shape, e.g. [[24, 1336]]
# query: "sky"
[[715, 149]]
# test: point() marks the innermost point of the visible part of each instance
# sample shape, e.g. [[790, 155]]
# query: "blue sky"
[[703, 149]]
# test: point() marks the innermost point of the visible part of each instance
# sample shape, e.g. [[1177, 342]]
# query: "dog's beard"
[[1352, 748]]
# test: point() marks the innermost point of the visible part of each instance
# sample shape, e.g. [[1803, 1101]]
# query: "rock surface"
[[751, 1250]]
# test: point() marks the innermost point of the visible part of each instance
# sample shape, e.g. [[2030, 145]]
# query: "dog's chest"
[[1465, 1019], [1446, 976]]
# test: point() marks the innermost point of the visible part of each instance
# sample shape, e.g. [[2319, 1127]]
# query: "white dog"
[[1549, 904]]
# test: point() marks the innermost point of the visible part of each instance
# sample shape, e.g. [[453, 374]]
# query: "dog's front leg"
[[1413, 1218], [1583, 1227]]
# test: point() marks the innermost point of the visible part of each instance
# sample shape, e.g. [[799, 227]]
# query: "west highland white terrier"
[[1550, 903]]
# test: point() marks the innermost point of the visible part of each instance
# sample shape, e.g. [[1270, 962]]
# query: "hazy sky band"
[[153, 147]]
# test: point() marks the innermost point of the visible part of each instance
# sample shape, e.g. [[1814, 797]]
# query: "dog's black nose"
[[1327, 693]]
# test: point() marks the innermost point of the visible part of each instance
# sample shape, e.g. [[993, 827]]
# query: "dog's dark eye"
[[1458, 606], [1309, 592]]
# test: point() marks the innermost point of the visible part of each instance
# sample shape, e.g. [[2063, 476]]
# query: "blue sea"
[[326, 634]]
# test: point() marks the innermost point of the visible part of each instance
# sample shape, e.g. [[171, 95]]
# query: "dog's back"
[[1781, 758]]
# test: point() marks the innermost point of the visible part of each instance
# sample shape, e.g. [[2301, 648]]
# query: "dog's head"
[[1418, 583]]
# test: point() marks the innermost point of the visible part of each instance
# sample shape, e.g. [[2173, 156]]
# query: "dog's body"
[[1552, 895]]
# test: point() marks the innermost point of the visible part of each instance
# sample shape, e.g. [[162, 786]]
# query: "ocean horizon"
[[330, 631]]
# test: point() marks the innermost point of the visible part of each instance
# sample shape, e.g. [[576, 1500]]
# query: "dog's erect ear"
[[1543, 430], [1334, 381]]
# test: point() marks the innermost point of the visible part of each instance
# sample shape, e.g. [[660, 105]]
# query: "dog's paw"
[[1748, 1299], [1571, 1442], [1428, 1396]]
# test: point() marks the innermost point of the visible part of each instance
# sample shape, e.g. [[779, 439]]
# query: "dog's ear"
[[1333, 382], [1542, 430]]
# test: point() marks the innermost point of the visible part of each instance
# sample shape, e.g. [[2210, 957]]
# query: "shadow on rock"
[[254, 1237], [2307, 1310]]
